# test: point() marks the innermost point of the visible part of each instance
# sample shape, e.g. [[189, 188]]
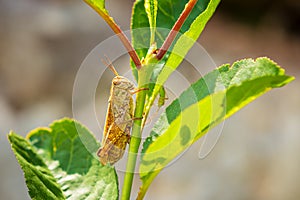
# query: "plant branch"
[[134, 144], [178, 24], [109, 20]]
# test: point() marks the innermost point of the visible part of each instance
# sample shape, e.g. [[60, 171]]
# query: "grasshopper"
[[119, 119]]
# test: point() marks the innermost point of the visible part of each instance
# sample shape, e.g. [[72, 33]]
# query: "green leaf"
[[202, 106], [66, 150], [168, 11], [140, 28], [98, 5], [140, 32], [151, 10], [39, 179], [189, 33]]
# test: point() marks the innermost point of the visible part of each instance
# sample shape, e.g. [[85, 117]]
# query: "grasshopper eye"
[[116, 82]]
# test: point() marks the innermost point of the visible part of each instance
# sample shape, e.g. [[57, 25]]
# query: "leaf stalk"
[[177, 26], [112, 24]]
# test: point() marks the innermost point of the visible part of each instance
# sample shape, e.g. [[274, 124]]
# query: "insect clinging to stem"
[[119, 118]]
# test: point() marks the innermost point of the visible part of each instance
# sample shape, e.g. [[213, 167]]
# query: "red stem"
[[127, 45], [109, 20], [178, 24]]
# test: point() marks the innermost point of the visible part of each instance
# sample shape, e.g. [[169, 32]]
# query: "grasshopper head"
[[122, 83]]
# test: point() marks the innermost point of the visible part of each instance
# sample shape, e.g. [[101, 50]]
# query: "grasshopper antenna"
[[109, 64]]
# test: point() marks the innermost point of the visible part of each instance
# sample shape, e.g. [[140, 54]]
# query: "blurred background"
[[42, 44]]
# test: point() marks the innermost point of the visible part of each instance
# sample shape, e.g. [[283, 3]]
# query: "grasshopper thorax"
[[122, 83]]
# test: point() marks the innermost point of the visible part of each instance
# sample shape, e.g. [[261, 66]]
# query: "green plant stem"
[[178, 24], [134, 144]]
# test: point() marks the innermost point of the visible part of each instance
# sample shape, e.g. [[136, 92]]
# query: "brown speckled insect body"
[[118, 123]]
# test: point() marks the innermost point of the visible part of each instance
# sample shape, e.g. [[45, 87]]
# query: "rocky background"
[[42, 44]]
